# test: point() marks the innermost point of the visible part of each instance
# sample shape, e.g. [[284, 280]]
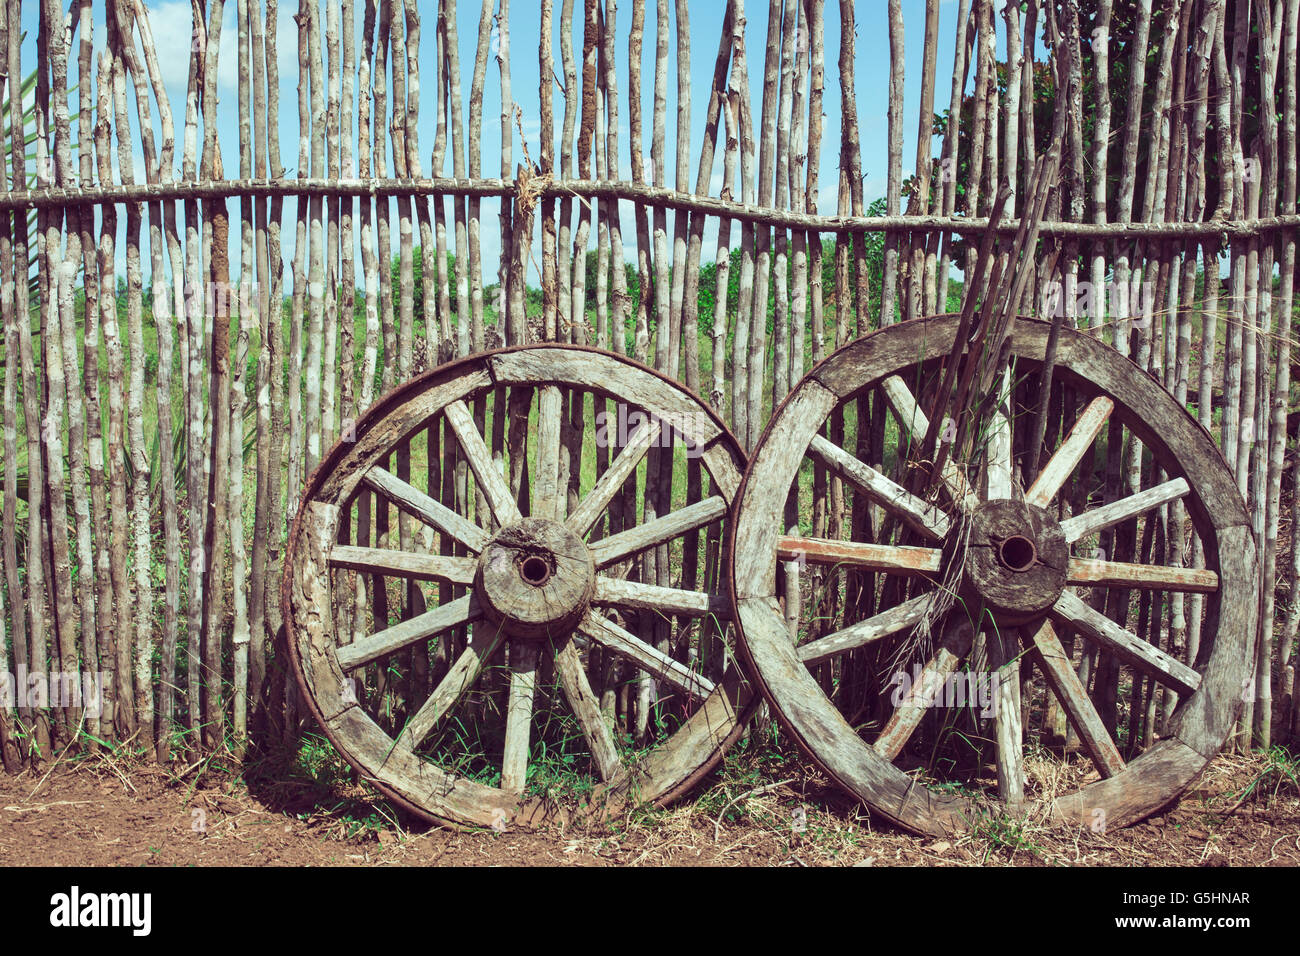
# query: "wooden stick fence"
[[150, 547]]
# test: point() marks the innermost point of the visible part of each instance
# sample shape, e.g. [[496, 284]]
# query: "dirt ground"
[[1245, 811]]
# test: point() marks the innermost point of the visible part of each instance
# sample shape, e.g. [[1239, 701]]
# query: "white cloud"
[[173, 28]]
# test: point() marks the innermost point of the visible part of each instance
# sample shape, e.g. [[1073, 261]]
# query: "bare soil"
[[100, 813]]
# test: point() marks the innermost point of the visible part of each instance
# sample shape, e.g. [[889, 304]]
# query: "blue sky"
[[171, 24]]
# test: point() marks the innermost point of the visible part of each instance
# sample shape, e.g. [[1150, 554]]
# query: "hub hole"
[[535, 570], [1017, 553]]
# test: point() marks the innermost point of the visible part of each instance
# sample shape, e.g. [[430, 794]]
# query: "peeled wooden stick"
[[219, 390]]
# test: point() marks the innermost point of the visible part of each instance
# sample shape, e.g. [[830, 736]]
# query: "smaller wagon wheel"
[[969, 650], [542, 629]]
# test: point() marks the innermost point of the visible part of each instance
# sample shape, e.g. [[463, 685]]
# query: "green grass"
[[1003, 833], [1280, 774]]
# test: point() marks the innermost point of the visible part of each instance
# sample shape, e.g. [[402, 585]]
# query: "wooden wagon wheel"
[[899, 621], [470, 666]]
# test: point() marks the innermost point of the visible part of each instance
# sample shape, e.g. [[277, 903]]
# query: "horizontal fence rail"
[[548, 188]]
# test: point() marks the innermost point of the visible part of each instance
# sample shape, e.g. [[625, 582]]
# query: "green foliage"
[[29, 164], [706, 299], [1280, 774], [1001, 832], [417, 284]]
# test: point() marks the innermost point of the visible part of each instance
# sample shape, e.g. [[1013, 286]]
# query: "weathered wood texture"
[[533, 599], [1001, 571], [270, 342]]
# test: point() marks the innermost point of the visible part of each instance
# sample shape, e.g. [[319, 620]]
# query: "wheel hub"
[[535, 579], [1015, 561]]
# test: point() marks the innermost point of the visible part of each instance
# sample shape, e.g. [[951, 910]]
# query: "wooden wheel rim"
[[1202, 721], [659, 777]]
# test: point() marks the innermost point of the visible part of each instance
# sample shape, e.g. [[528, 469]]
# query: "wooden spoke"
[[519, 570], [896, 619], [422, 626], [548, 501], [1086, 571], [895, 559], [590, 509], [1008, 733], [500, 500], [459, 679], [793, 595], [650, 597], [1018, 568], [623, 545], [1062, 464], [433, 513], [406, 564], [1072, 611], [913, 705], [649, 659], [904, 403], [999, 446], [920, 514], [585, 707], [1058, 670], [1099, 519], [519, 715]]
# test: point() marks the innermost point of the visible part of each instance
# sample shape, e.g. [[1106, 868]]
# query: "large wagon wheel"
[[901, 619], [470, 657]]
